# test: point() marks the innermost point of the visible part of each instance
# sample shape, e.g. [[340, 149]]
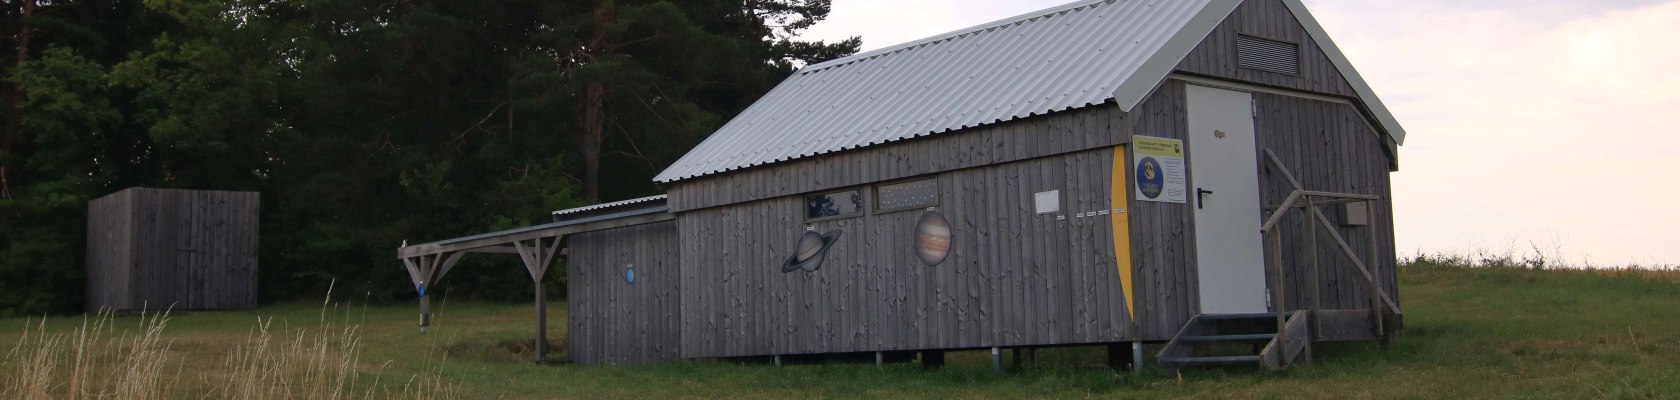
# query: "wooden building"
[[157, 249], [1104, 172]]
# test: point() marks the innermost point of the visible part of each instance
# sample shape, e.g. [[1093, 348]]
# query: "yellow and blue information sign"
[[1158, 165]]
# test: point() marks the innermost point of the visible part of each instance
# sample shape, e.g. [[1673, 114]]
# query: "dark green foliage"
[[362, 123]]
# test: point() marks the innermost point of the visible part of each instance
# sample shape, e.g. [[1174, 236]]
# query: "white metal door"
[[1226, 199]]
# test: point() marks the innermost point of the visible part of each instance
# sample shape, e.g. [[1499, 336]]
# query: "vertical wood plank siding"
[[1163, 234], [1329, 147], [610, 321], [160, 248], [110, 251], [1012, 277], [1216, 56], [1068, 131]]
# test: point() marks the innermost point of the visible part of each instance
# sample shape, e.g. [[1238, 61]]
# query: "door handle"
[[1199, 193]]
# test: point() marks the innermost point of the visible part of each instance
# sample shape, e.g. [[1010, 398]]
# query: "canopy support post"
[[424, 271], [537, 257]]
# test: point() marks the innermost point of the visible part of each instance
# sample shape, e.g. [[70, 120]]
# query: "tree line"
[[363, 122]]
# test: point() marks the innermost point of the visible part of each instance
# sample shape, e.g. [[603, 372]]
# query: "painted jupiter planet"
[[933, 238]]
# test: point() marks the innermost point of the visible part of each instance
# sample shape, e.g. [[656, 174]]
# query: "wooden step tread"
[[1212, 317], [1257, 337], [1226, 360]]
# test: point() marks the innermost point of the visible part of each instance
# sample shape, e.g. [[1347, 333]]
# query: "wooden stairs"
[[1212, 340], [1236, 339], [1277, 339]]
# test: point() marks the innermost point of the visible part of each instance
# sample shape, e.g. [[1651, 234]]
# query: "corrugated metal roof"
[[1067, 57], [604, 206], [1057, 59]]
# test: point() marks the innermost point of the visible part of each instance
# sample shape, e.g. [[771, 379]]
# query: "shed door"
[[1226, 200]]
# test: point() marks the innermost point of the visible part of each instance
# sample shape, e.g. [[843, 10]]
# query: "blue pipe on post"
[[425, 309]]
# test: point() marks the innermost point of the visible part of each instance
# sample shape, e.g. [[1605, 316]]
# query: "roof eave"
[[1140, 84], [1366, 95]]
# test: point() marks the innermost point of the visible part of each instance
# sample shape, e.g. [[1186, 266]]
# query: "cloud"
[[1543, 125]]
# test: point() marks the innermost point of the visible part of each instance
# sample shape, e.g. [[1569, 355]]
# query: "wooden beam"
[[525, 258], [413, 271], [1320, 203], [494, 250], [541, 340], [1297, 341], [536, 258], [431, 271], [448, 264], [530, 256], [1354, 257], [548, 256], [1278, 215], [517, 235], [1339, 195], [1277, 280], [1270, 156], [1311, 232]]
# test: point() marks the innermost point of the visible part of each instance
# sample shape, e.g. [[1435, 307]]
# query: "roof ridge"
[[959, 33]]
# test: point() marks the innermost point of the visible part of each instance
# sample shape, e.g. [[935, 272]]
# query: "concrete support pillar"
[[1137, 357]]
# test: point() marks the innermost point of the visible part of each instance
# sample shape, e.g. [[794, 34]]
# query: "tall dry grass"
[[89, 362], [322, 362], [101, 360]]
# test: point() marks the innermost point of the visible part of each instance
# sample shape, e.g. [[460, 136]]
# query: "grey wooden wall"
[[110, 251], [1271, 19], [883, 299], [1329, 147], [613, 322], [1012, 277], [1068, 131], [161, 248], [1163, 234]]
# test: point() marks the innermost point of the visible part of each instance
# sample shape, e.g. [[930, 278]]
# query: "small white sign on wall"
[[1048, 202]]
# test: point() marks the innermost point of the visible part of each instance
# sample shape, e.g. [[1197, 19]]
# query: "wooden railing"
[[1382, 305]]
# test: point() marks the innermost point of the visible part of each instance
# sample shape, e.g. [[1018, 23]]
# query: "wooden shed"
[[156, 249], [1106, 172]]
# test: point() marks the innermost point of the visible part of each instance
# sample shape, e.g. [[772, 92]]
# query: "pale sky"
[[1531, 123]]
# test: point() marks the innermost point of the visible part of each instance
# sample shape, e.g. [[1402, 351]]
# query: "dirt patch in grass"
[[504, 350]]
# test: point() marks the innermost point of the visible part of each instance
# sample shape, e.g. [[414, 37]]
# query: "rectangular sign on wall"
[[1047, 202], [1158, 169]]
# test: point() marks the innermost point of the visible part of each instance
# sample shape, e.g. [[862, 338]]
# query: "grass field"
[[1471, 332]]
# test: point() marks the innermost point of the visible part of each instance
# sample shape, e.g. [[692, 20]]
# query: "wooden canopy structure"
[[537, 247]]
